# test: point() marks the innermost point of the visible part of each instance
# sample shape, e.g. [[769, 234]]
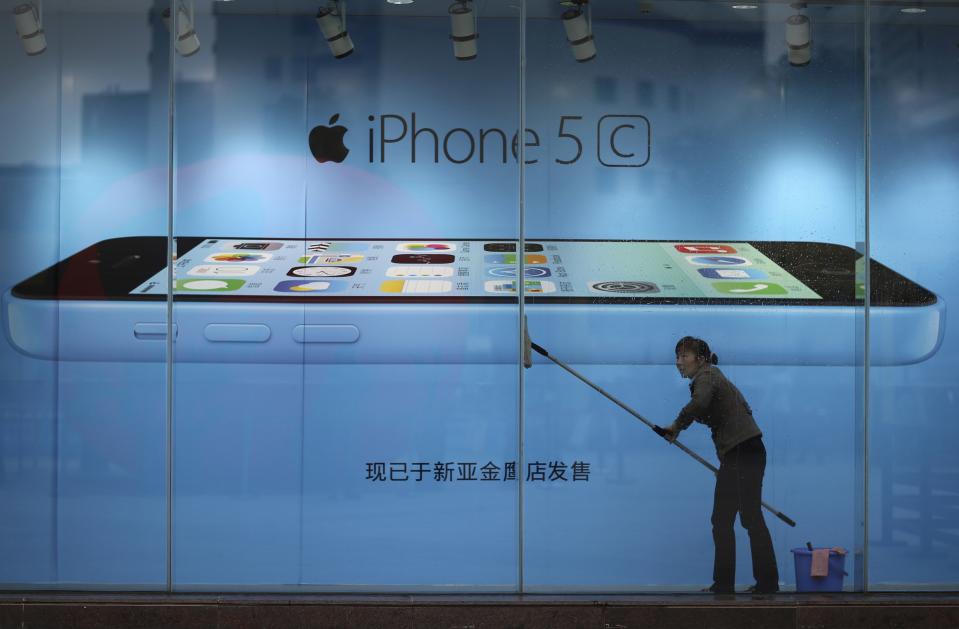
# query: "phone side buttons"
[[326, 333], [237, 333]]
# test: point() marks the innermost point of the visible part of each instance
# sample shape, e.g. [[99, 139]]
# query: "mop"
[[528, 362]]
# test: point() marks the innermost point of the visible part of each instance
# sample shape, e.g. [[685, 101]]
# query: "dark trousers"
[[739, 488]]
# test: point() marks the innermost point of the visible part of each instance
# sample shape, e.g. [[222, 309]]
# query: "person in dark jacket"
[[717, 403]]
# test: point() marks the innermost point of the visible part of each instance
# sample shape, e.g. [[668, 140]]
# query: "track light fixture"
[[463, 30], [579, 29], [28, 18], [799, 38], [187, 42], [332, 21]]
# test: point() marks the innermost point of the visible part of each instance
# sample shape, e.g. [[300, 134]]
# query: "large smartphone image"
[[286, 300]]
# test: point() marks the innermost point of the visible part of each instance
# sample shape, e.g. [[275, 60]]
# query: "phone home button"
[[237, 333], [326, 333]]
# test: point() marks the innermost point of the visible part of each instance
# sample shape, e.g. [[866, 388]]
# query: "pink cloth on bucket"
[[820, 562]]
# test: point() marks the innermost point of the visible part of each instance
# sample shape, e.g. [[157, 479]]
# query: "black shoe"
[[715, 588], [763, 589]]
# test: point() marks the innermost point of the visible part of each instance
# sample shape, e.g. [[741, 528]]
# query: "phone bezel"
[[110, 269]]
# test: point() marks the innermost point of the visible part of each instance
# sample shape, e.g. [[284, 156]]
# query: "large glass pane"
[[84, 159], [239, 101], [29, 212], [345, 377], [697, 177], [914, 183]]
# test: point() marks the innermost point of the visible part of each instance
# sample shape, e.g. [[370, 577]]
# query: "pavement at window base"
[[68, 610]]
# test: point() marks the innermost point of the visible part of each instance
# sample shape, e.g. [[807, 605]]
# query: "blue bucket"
[[829, 583]]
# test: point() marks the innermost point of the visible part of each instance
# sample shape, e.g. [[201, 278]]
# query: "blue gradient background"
[[269, 460]]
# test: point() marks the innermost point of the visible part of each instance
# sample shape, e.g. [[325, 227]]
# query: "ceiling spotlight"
[[29, 28], [912, 10], [798, 40], [332, 21], [400, 1], [745, 7], [187, 42], [463, 30], [579, 32]]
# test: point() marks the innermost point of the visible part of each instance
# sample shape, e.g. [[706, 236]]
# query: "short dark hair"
[[698, 347]]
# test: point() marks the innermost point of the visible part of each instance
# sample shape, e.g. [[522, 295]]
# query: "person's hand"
[[666, 433]]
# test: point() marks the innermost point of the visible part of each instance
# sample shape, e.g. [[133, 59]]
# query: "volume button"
[[326, 333], [151, 331], [237, 333]]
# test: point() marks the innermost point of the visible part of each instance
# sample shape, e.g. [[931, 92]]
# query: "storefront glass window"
[[262, 319]]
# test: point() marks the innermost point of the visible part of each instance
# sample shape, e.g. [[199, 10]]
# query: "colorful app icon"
[[252, 246], [239, 257], [416, 286], [510, 247], [426, 247], [532, 287], [321, 271], [624, 287], [336, 247], [510, 258], [419, 271], [749, 288], [309, 286], [733, 274], [422, 258], [718, 260], [511, 271], [220, 270], [705, 248], [337, 258], [209, 285]]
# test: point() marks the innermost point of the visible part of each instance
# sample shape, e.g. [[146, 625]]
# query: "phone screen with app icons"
[[605, 271]]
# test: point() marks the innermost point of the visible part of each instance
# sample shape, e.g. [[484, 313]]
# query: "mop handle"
[[712, 468]]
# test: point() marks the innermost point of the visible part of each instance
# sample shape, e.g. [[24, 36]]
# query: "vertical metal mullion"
[[55, 532], [867, 281], [861, 444], [521, 294], [306, 191], [171, 197]]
